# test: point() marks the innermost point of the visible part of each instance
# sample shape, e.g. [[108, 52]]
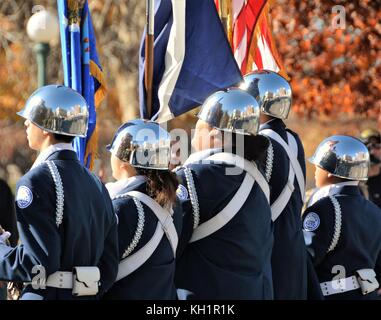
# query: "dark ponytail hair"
[[63, 138], [254, 147], [161, 185]]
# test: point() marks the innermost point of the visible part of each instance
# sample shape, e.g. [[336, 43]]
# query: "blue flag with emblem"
[[82, 70], [192, 58]]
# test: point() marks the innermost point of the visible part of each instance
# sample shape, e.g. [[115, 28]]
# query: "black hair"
[[63, 138], [254, 147]]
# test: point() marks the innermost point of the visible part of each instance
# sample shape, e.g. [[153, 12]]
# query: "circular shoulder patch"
[[24, 197], [311, 222], [182, 192]]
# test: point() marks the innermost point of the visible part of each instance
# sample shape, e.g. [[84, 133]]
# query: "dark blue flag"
[[192, 58]]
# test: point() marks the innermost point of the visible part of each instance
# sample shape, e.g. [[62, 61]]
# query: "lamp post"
[[42, 28]]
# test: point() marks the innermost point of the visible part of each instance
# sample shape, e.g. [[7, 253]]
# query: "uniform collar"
[[349, 187], [201, 155], [121, 186], [48, 152]]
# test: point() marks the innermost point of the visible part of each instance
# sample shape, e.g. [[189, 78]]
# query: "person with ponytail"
[[144, 197]]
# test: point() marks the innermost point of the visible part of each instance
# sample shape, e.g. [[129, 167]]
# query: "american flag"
[[248, 29]]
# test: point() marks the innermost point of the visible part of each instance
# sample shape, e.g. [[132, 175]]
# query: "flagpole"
[[150, 15]]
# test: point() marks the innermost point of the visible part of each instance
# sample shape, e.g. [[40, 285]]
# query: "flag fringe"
[[225, 9], [92, 143], [229, 10], [97, 73]]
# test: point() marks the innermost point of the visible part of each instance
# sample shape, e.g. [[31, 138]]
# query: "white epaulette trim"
[[193, 197], [338, 222], [269, 161], [139, 228], [59, 191]]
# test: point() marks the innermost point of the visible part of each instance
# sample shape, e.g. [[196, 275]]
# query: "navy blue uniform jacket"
[[86, 237], [235, 261], [289, 258], [374, 189], [359, 244], [155, 278]]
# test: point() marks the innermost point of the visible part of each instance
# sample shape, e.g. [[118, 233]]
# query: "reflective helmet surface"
[[57, 109], [233, 110], [142, 143], [343, 156], [272, 91]]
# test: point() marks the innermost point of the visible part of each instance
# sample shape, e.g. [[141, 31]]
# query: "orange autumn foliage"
[[14, 82], [332, 70]]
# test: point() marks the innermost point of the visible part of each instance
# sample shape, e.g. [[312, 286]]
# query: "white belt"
[[84, 281], [61, 280], [339, 286]]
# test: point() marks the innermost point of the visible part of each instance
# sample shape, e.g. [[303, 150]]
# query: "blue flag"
[[82, 70], [192, 58]]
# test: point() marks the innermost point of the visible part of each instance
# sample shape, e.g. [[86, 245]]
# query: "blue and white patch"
[[311, 222], [182, 192], [24, 197]]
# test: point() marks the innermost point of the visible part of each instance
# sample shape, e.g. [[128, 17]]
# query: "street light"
[[42, 28]]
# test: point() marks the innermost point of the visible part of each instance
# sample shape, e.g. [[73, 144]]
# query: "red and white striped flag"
[[249, 33]]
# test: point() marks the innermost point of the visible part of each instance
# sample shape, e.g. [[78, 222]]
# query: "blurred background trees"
[[332, 70], [335, 73]]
